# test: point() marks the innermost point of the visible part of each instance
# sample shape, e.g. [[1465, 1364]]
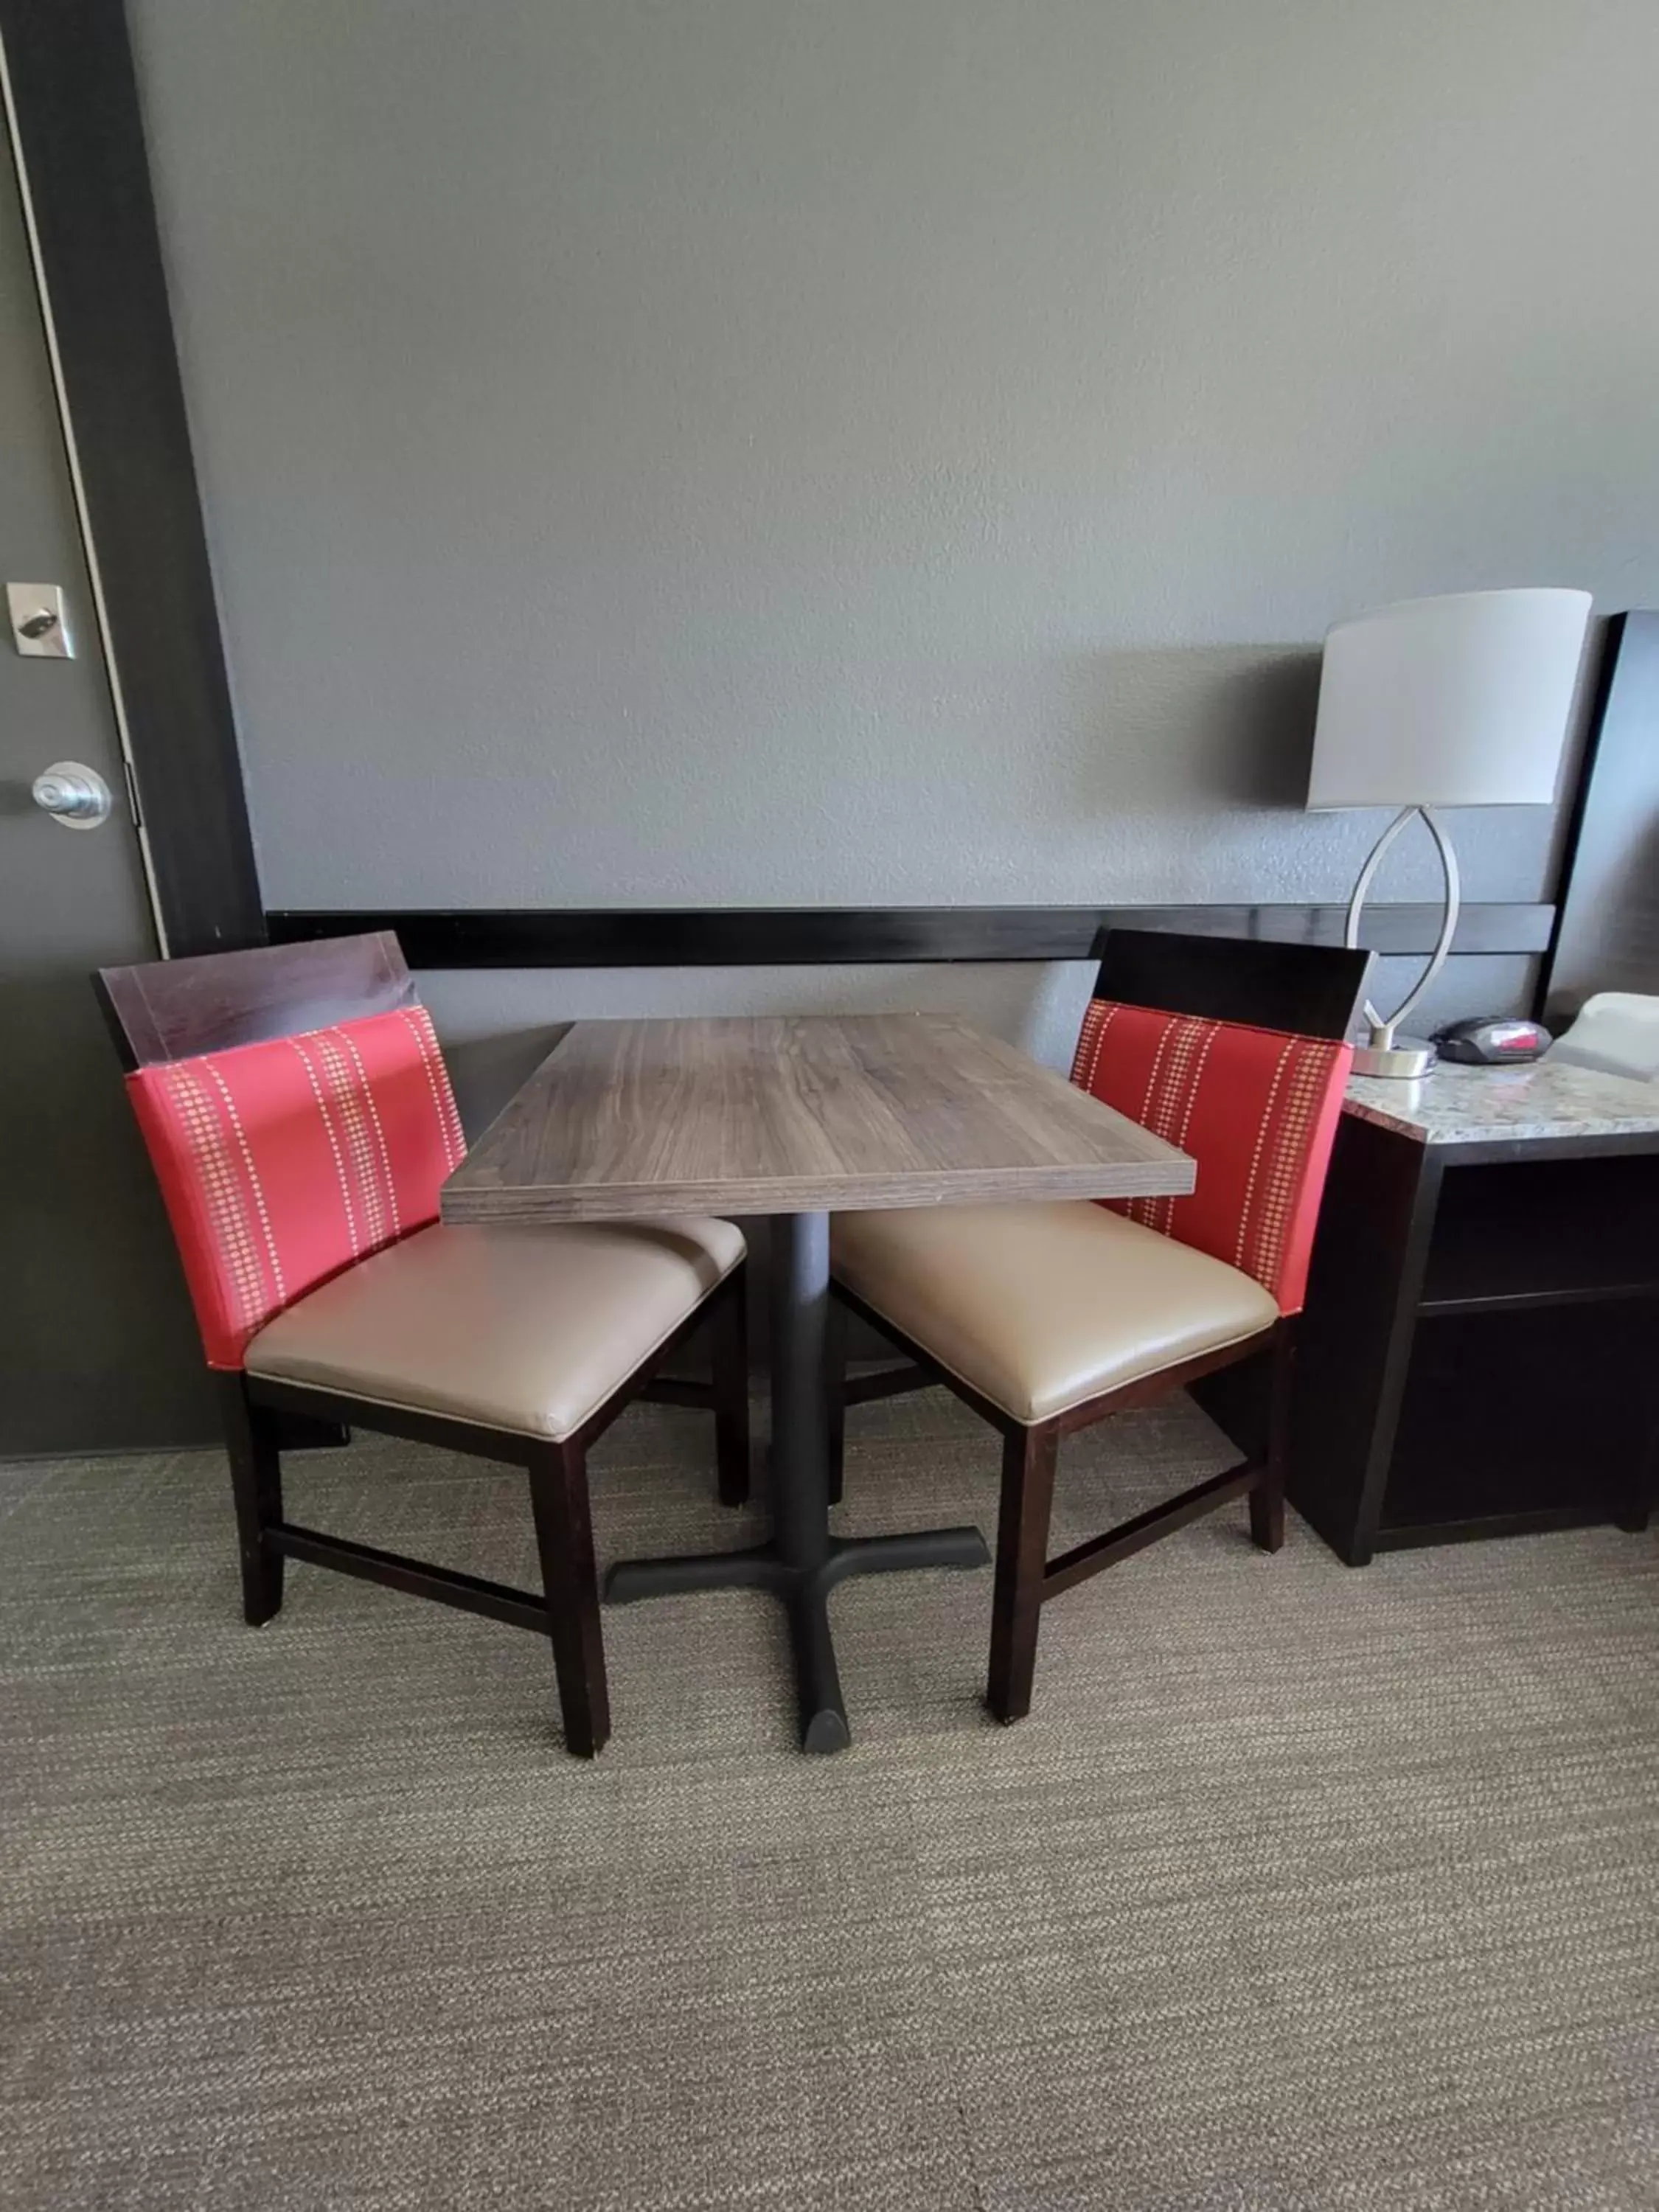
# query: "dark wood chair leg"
[[729, 1355], [1268, 1499], [835, 1397], [256, 1482], [564, 1537], [1028, 1494]]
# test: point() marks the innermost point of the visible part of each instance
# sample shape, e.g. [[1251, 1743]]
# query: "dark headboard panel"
[[1607, 934]]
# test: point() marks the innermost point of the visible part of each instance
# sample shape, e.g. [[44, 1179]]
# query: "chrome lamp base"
[[1404, 1058], [1407, 1058]]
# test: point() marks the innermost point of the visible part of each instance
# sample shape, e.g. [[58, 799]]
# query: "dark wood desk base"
[[1479, 1355]]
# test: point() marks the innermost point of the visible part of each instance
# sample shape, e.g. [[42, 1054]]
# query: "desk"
[[1480, 1345], [793, 1118]]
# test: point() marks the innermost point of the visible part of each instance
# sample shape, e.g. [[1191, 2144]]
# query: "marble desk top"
[[1456, 1105]]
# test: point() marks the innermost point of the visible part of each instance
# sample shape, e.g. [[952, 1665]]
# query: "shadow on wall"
[[1244, 714], [486, 1071]]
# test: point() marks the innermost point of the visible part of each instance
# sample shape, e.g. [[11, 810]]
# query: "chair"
[[300, 1121], [1046, 1318]]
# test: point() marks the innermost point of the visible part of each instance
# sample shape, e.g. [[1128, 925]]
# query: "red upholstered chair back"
[[1257, 1108], [282, 1161]]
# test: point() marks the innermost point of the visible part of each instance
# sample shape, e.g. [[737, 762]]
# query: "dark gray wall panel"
[[882, 454]]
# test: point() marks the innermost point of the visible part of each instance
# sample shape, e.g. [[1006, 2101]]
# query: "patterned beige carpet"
[[1301, 1888]]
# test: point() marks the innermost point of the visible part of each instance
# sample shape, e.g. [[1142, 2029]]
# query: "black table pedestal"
[[802, 1563]]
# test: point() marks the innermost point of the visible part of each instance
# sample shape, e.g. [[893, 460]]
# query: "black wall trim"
[[82, 149], [788, 937]]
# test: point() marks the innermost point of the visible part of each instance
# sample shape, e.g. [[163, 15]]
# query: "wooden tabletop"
[[796, 1115]]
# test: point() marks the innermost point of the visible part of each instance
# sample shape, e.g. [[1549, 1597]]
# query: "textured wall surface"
[[883, 450]]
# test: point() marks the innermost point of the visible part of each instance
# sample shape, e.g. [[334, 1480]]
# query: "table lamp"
[[1455, 701]]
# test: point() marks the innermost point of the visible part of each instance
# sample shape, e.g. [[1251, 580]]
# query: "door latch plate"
[[40, 622]]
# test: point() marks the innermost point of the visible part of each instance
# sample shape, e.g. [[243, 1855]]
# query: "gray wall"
[[882, 451]]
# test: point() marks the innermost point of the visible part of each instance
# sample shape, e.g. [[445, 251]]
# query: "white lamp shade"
[[1455, 701]]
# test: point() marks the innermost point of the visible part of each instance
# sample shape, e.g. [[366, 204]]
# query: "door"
[[98, 1349]]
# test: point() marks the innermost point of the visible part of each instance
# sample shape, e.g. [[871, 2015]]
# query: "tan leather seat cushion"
[[1039, 1307], [522, 1328]]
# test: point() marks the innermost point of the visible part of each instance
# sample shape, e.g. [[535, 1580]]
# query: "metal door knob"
[[73, 795]]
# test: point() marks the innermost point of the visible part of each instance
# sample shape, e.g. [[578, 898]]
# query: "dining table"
[[798, 1117]]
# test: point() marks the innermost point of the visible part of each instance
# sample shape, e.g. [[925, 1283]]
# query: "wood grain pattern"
[[1313, 989], [796, 1115], [164, 1010]]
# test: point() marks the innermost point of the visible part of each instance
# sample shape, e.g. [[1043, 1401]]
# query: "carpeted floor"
[[1301, 1887]]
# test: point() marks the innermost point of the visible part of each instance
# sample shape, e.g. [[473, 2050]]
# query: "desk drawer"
[[1515, 1420]]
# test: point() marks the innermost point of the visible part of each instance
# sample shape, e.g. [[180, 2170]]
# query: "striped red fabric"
[[1256, 1109], [285, 1162]]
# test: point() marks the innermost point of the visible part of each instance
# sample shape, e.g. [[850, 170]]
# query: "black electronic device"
[[1493, 1040]]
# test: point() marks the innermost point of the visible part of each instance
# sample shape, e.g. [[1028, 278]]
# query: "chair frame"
[[1311, 989], [1026, 1577], [172, 1009]]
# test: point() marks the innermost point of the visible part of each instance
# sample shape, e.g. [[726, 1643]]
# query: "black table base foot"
[[901, 1555], [819, 1700], [630, 1580], [804, 1591]]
